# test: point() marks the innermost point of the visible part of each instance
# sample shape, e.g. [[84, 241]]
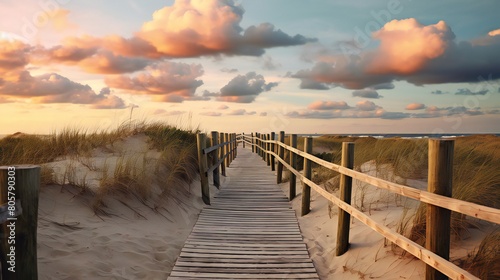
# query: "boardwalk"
[[249, 231]]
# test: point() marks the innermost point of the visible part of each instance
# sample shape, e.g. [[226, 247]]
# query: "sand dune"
[[138, 241]]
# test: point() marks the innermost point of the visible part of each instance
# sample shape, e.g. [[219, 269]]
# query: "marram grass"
[[147, 179]]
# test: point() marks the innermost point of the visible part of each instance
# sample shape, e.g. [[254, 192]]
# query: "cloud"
[[165, 81], [223, 107], [328, 105], [415, 106], [238, 112], [394, 115], [227, 70], [383, 86], [366, 93], [87, 52], [366, 105], [54, 88], [185, 29], [438, 92], [313, 114], [211, 114], [263, 114], [245, 88], [406, 51], [270, 64], [167, 113], [495, 32], [196, 28], [311, 84], [14, 55], [406, 46], [105, 62], [466, 91]]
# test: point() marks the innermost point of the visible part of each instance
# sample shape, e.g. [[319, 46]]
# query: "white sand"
[[369, 256], [74, 243]]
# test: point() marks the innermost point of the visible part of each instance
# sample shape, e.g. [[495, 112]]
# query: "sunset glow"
[[307, 67]]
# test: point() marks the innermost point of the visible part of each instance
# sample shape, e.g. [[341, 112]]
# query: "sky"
[[380, 66]]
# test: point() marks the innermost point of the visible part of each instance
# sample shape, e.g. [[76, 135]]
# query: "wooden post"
[[221, 154], [235, 148], [440, 181], [263, 145], [264, 149], [19, 189], [281, 154], [257, 143], [293, 163], [226, 149], [306, 190], [202, 160], [268, 148], [253, 142], [215, 159], [273, 149], [345, 195], [236, 145], [243, 139], [231, 147]]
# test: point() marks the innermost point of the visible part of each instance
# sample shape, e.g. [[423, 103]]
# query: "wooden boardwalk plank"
[[248, 232]]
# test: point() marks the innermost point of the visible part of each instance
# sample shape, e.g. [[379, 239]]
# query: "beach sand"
[[137, 241]]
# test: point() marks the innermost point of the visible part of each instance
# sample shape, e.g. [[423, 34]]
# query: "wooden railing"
[[439, 202], [222, 151]]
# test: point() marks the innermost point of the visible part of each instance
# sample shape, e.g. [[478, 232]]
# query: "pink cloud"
[[495, 32], [406, 46], [409, 51], [14, 55], [165, 81], [194, 28], [415, 106], [328, 105], [366, 105], [54, 88]]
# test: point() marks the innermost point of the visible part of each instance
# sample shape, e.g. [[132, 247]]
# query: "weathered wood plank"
[[249, 231]]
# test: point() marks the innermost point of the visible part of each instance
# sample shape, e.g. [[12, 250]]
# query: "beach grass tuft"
[[171, 167]]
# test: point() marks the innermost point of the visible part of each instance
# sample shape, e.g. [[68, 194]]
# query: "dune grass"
[[172, 165], [485, 261], [476, 178]]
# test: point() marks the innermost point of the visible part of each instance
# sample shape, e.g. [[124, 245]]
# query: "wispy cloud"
[[466, 91], [211, 114]]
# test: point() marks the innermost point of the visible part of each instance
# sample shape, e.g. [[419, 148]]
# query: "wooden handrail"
[[464, 207], [223, 153], [430, 258], [436, 261]]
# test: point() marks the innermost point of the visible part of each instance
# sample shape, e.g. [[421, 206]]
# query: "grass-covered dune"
[[100, 163], [476, 178]]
